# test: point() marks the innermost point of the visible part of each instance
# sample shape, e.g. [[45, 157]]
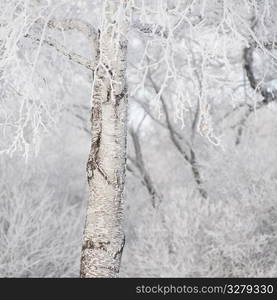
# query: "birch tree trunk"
[[103, 240]]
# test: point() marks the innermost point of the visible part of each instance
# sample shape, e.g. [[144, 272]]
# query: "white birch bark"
[[103, 235]]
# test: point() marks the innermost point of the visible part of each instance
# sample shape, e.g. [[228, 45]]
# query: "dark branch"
[[189, 158], [140, 165]]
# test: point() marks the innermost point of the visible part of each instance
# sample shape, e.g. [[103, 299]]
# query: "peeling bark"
[[103, 240]]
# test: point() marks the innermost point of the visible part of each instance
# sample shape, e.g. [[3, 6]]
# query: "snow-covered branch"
[[64, 51], [74, 24], [151, 29]]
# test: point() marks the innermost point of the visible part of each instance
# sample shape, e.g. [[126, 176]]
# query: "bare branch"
[[168, 122], [243, 121], [257, 87], [151, 115], [254, 83], [190, 158], [197, 175], [139, 163]]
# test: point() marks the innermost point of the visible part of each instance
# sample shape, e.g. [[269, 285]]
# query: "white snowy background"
[[199, 69]]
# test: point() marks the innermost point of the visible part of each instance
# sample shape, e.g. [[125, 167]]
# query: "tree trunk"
[[196, 175], [103, 240]]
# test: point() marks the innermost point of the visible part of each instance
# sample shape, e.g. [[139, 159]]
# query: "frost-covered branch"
[[74, 24], [150, 114], [189, 157], [150, 29], [64, 51]]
